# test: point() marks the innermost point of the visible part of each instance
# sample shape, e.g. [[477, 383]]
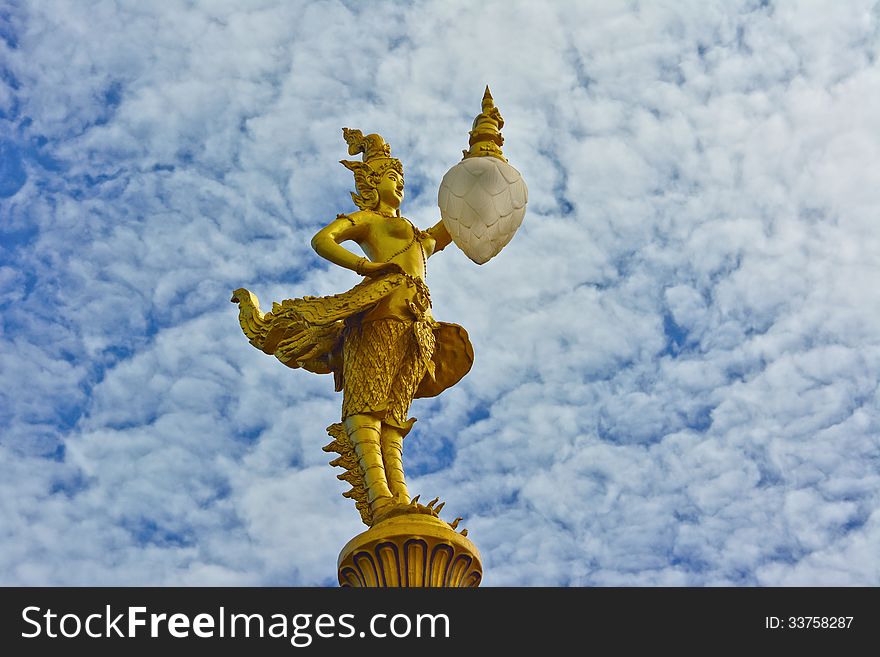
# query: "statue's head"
[[379, 176]]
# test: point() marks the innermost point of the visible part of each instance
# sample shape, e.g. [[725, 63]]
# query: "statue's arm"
[[441, 236], [326, 242]]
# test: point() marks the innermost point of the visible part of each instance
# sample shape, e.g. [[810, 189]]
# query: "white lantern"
[[482, 202], [483, 199]]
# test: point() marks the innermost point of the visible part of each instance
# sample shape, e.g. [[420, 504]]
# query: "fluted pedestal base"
[[412, 550]]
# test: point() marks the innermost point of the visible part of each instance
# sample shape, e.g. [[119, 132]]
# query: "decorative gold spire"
[[485, 136]]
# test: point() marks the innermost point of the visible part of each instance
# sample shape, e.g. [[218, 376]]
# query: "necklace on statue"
[[415, 236]]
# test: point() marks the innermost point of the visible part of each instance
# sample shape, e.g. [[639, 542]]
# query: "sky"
[[677, 355]]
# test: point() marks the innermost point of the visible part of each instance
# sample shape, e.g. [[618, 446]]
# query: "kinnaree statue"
[[384, 348], [378, 339]]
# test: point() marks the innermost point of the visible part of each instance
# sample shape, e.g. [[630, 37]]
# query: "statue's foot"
[[431, 508], [380, 507], [402, 505], [390, 507], [393, 507]]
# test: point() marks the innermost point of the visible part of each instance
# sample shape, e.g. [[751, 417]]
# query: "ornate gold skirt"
[[384, 361]]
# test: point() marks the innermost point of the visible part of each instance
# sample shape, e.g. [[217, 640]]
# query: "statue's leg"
[[364, 432], [392, 455]]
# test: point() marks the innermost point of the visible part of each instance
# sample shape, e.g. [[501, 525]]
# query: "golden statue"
[[384, 349]]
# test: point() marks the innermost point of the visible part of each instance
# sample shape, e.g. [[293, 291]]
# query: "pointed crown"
[[367, 174]]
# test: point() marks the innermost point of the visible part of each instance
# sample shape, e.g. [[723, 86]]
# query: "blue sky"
[[676, 375]]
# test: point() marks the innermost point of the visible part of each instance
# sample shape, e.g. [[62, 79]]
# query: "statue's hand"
[[377, 268]]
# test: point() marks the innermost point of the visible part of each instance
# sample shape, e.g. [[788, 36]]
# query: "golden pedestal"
[[412, 550]]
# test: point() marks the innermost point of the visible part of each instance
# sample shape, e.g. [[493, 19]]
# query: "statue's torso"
[[391, 240]]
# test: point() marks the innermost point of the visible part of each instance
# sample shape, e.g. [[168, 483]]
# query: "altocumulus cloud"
[[676, 377]]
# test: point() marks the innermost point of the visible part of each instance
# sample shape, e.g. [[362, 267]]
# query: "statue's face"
[[390, 188]]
